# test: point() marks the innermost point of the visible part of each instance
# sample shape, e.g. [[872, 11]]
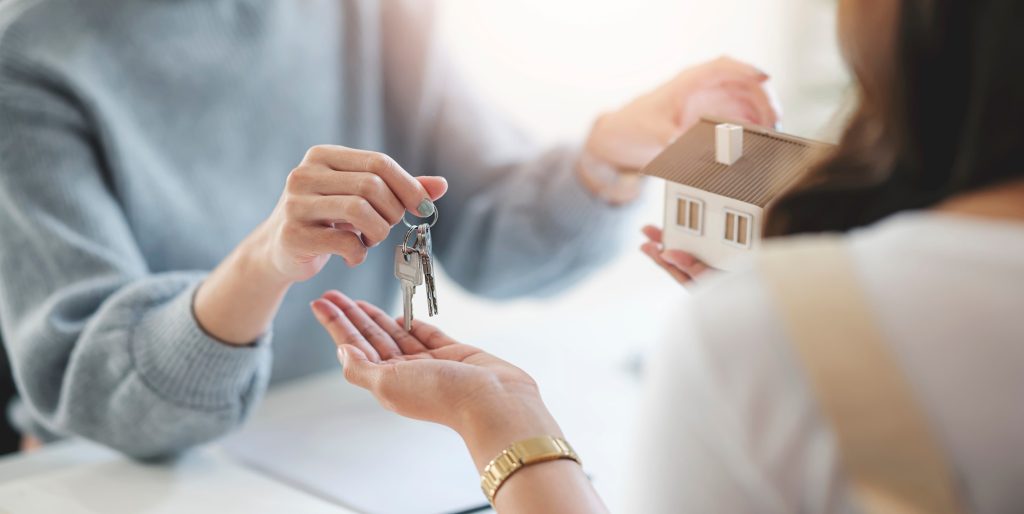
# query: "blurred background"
[[552, 67]]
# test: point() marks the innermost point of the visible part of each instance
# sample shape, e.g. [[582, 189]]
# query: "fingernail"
[[426, 208], [341, 356]]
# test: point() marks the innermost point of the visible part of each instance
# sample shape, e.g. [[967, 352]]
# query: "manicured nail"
[[426, 208]]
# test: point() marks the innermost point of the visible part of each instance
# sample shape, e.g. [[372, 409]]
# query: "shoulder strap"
[[887, 450]]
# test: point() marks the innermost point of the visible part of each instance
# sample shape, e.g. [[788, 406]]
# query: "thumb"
[[436, 186], [358, 369]]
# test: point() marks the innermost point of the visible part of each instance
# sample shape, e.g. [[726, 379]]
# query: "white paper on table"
[[199, 483], [324, 437]]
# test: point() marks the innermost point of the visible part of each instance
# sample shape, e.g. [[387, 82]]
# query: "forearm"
[[239, 299], [558, 486]]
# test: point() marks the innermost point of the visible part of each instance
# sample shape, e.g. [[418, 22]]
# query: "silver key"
[[423, 245], [409, 272]]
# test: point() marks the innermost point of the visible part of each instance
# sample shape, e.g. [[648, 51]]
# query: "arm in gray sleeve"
[[100, 347], [515, 220]]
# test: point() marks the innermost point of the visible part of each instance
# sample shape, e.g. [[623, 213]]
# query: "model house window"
[[737, 228], [690, 214]]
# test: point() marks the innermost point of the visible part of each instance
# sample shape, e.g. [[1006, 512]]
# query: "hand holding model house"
[[721, 179]]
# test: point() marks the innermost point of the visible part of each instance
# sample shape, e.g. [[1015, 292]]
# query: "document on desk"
[[198, 484], [328, 439]]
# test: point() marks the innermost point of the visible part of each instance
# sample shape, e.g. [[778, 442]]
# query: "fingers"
[[354, 210], [342, 331], [652, 232], [408, 344], [358, 369], [756, 97], [726, 69], [322, 181], [653, 251], [436, 186], [689, 264], [430, 336], [321, 240], [381, 341], [410, 192]]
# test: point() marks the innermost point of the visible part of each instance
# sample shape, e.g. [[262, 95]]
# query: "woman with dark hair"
[[880, 370]]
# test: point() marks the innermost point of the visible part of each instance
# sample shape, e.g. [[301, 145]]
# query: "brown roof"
[[771, 162]]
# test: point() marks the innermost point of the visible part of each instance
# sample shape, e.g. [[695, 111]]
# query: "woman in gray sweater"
[[168, 187]]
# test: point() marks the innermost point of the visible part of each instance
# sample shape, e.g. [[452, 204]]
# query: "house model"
[[721, 178]]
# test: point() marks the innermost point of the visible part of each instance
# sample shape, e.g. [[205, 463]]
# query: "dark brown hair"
[[944, 116]]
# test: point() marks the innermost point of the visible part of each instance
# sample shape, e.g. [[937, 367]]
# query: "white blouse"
[[730, 425]]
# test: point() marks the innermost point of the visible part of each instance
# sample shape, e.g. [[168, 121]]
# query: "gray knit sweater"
[[141, 140]]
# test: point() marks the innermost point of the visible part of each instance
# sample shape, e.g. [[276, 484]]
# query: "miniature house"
[[721, 177]]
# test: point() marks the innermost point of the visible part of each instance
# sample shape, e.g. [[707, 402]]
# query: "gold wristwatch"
[[519, 455]]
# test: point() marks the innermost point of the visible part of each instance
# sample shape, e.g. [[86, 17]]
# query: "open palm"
[[422, 374]]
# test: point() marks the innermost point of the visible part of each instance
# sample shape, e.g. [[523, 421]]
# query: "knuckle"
[[296, 178], [395, 218], [317, 153], [358, 208], [292, 207], [371, 185], [377, 161], [356, 253]]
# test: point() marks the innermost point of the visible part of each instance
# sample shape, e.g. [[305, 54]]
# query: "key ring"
[[433, 222], [405, 240]]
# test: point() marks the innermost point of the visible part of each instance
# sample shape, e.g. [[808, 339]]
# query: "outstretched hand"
[[422, 374], [427, 375]]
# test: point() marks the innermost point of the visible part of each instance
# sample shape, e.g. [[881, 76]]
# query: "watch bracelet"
[[519, 455]]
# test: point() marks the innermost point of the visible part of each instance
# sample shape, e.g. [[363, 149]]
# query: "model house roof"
[[770, 162]]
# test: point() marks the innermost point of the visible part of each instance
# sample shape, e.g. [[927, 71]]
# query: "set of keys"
[[414, 266]]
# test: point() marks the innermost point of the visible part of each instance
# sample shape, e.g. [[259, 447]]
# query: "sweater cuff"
[[183, 364], [579, 211]]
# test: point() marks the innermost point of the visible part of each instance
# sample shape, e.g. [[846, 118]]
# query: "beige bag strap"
[[887, 450]]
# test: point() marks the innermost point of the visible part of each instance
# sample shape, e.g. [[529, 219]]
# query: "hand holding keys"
[[414, 266]]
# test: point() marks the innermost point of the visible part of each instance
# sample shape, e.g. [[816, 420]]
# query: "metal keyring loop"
[[405, 240], [433, 222]]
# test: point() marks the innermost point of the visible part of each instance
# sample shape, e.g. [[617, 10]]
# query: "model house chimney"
[[728, 143]]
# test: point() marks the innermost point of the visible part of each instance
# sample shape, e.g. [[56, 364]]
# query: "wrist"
[[238, 300], [487, 430], [607, 181], [254, 258]]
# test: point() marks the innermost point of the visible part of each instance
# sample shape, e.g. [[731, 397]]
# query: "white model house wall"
[[710, 245]]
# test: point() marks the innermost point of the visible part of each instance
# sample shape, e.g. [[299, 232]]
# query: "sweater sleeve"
[[515, 220], [100, 347]]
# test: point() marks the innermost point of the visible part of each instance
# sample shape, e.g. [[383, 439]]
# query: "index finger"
[[409, 191], [342, 330]]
